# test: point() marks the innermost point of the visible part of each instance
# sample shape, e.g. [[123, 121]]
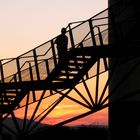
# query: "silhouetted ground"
[[73, 133], [44, 132]]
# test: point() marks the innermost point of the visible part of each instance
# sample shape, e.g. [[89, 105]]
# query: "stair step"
[[6, 102], [8, 96], [11, 92], [74, 64], [62, 79], [78, 62], [67, 74], [82, 59], [71, 69], [59, 79]]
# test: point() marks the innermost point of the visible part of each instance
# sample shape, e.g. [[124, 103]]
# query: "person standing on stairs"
[[62, 43]]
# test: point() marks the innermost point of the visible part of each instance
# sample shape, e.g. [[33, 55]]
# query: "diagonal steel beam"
[[36, 109], [61, 98], [45, 110], [88, 92], [108, 81], [80, 103], [80, 94], [97, 82], [26, 111]]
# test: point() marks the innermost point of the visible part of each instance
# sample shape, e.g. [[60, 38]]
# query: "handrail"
[[23, 56], [68, 25], [40, 60]]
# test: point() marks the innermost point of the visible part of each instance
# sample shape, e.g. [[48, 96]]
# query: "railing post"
[[92, 32], [31, 73], [31, 78], [18, 69], [15, 78], [84, 59], [48, 72], [100, 36], [71, 37], [53, 52], [16, 90], [36, 64], [1, 72], [47, 67]]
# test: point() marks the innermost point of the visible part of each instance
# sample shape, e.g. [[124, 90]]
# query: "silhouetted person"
[[62, 43]]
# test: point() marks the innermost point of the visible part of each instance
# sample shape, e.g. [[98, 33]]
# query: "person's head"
[[63, 30]]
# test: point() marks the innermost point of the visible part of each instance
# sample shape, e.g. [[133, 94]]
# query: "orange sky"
[[98, 118], [63, 112], [34, 22]]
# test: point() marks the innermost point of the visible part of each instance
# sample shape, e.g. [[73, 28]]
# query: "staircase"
[[38, 69], [10, 99], [72, 71], [64, 76]]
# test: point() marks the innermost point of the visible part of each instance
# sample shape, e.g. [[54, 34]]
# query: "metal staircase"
[[39, 70], [64, 76]]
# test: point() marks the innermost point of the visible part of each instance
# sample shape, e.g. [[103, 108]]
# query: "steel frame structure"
[[35, 76]]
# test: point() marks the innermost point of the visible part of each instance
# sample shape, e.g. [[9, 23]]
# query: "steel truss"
[[37, 77], [92, 103]]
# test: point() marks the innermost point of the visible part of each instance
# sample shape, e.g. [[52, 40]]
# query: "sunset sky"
[[26, 24], [68, 108]]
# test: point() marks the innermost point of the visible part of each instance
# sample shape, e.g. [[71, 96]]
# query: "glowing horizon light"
[[31, 24]]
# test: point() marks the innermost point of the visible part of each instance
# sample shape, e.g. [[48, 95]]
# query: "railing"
[[38, 63]]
